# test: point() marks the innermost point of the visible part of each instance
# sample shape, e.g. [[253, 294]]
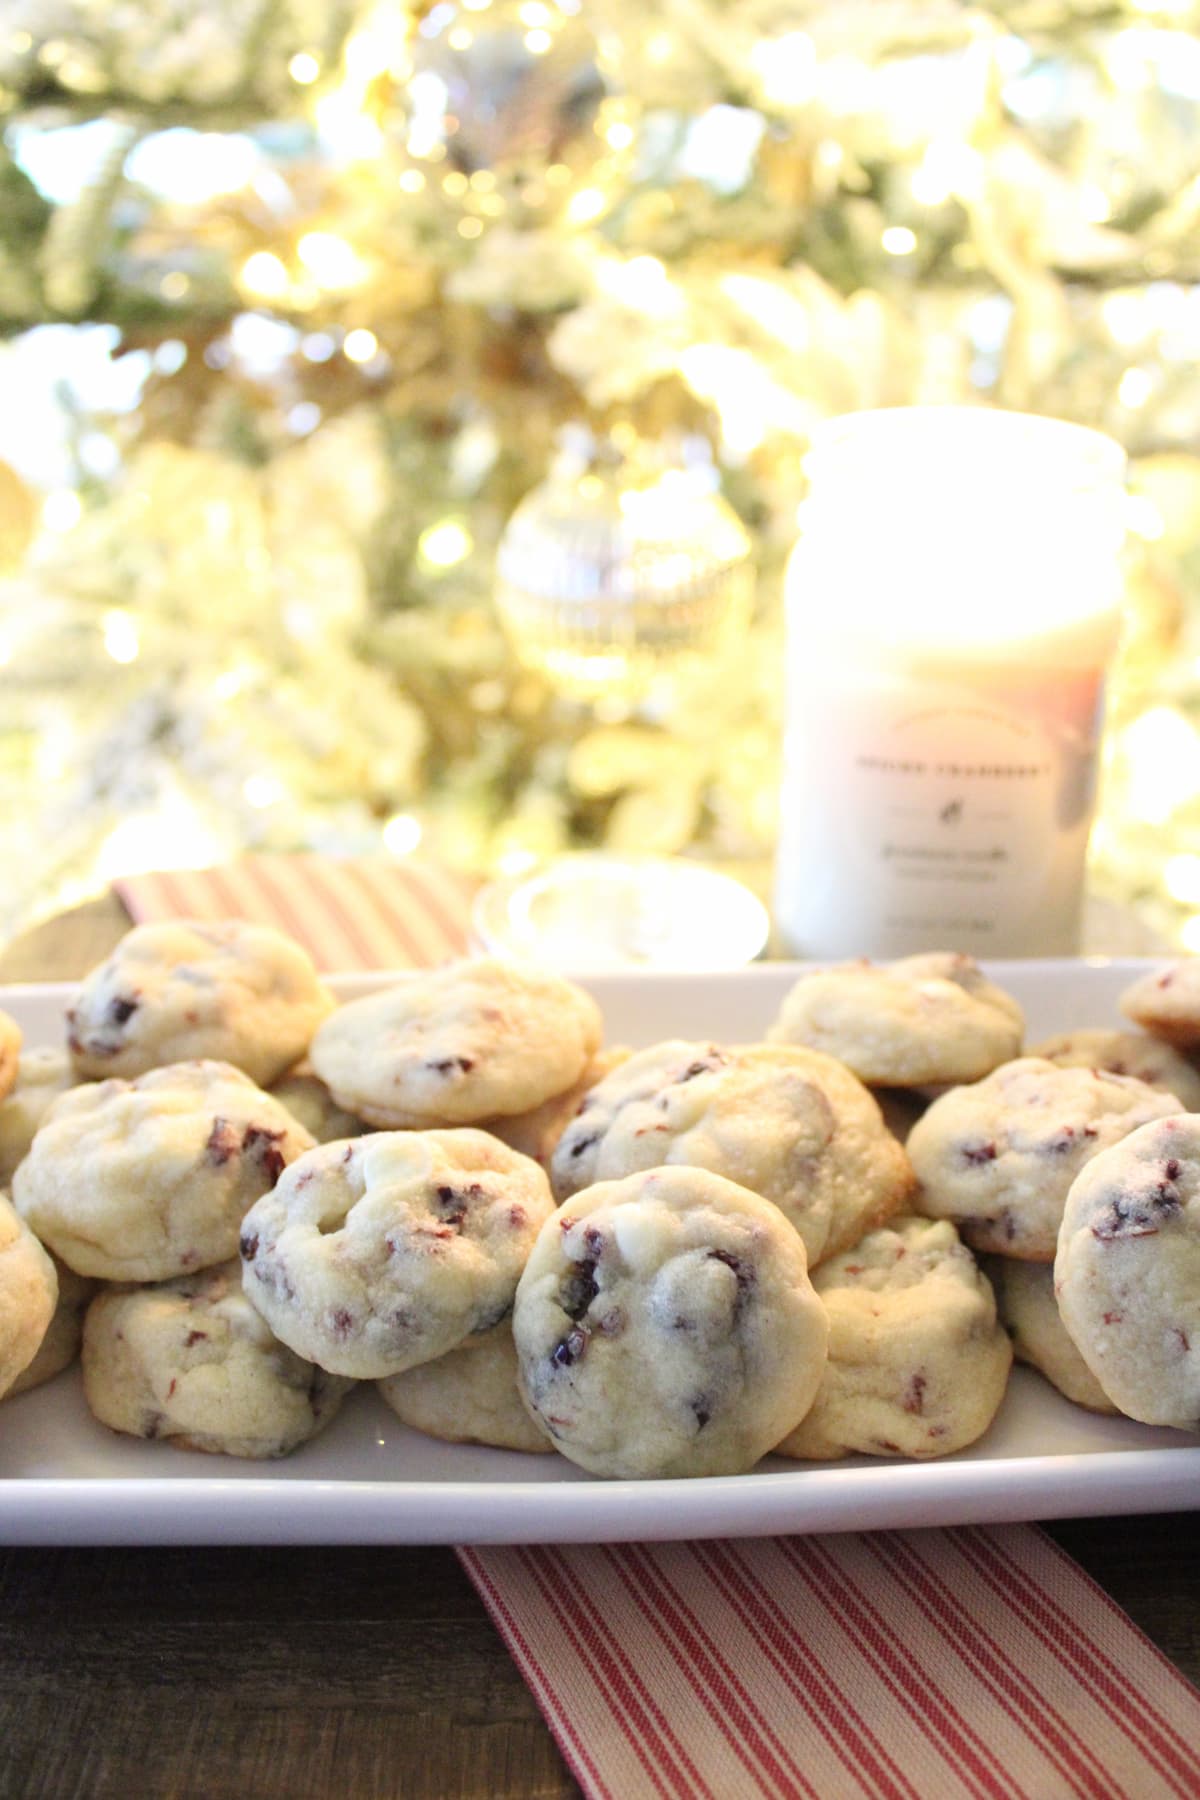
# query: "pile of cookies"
[[245, 1199]]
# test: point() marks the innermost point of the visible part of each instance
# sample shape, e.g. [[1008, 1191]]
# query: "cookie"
[[142, 1180], [918, 1362], [535, 1133], [307, 1098], [1127, 1272], [382, 1252], [221, 992], [42, 1075], [458, 1045], [923, 1021], [1025, 1301], [666, 1326], [901, 1108], [789, 1124], [1135, 1053], [60, 1346], [468, 1396], [192, 1361], [28, 1295], [10, 1051], [999, 1157], [1166, 1003]]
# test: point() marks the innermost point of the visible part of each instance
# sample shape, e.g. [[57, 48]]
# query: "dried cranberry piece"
[[446, 1065], [703, 1065], [454, 1203], [260, 1142], [978, 1154], [743, 1272], [569, 1349], [248, 1245], [120, 1010], [579, 1290], [222, 1142]]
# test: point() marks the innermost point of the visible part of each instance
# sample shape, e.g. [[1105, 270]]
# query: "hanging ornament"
[[511, 110], [616, 572]]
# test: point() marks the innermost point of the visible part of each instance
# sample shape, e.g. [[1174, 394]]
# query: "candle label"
[[919, 817]]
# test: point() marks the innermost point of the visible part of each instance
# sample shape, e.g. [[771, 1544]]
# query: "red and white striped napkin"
[[899, 1665]]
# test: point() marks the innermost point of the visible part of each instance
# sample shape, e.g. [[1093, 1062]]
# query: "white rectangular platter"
[[66, 1480]]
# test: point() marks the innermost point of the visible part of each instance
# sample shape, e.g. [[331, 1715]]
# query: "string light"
[[1181, 878], [120, 636], [265, 276], [261, 791], [402, 834], [360, 345], [304, 68], [1135, 388], [445, 544], [786, 68], [62, 510], [585, 206], [898, 240], [332, 262]]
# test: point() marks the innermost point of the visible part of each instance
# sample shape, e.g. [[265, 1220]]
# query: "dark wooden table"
[[230, 1674]]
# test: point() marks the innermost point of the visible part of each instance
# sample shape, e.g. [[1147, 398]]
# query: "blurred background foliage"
[[302, 300]]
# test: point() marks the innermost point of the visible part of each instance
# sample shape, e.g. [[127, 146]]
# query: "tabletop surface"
[[223, 1673]]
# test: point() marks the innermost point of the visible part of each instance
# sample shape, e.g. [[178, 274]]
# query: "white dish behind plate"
[[368, 1479]]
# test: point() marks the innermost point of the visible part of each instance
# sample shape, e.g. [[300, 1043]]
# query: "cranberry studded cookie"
[[919, 1022], [918, 1363], [1134, 1053], [28, 1295], [10, 1051], [1026, 1303], [458, 1045], [60, 1346], [309, 1100], [998, 1157], [536, 1133], [789, 1124], [1127, 1273], [42, 1075], [376, 1254], [191, 1361], [224, 992], [1167, 1003], [142, 1180], [468, 1396], [666, 1325]]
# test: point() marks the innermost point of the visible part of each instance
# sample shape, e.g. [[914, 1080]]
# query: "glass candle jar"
[[952, 605]]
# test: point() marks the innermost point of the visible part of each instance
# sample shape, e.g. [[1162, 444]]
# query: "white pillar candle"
[[951, 608]]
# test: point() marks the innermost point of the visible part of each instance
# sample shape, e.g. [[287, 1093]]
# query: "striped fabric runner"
[[913, 1665]]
